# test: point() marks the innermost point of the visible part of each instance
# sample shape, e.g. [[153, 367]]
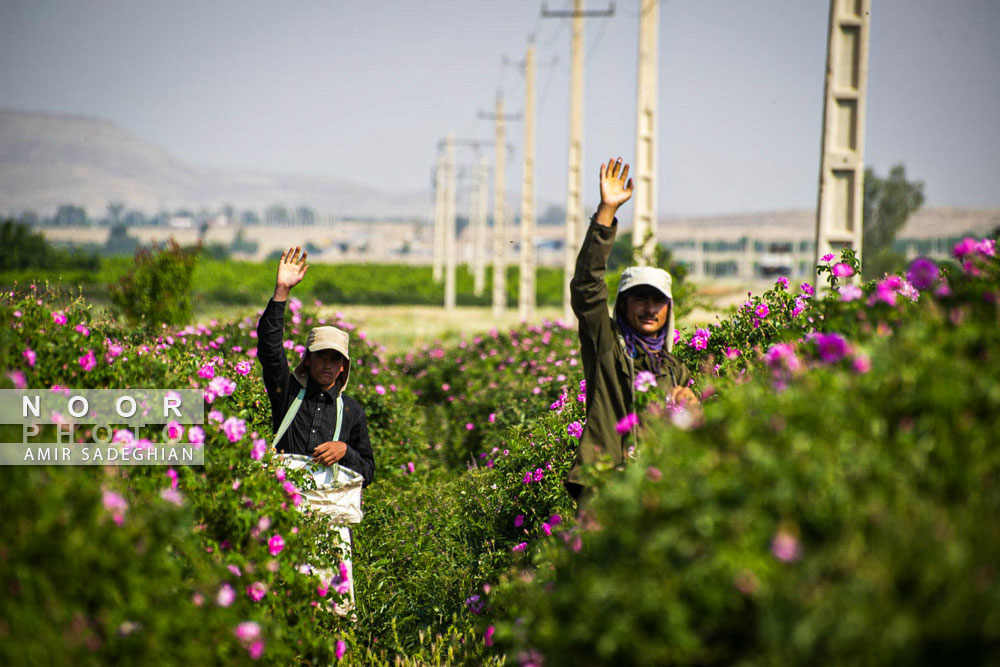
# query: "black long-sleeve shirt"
[[316, 419]]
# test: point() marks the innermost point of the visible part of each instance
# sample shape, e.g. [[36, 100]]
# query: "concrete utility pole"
[[526, 283], [574, 175], [449, 223], [644, 220], [499, 219], [499, 214], [842, 169], [477, 217], [438, 254]]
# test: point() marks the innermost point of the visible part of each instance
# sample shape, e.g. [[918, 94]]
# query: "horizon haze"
[[361, 93]]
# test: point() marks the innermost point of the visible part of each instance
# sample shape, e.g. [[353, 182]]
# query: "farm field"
[[834, 500]]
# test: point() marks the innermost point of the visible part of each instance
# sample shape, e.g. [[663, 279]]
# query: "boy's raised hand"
[[616, 189], [291, 269]]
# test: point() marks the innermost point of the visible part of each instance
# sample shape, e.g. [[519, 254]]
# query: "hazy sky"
[[363, 90]]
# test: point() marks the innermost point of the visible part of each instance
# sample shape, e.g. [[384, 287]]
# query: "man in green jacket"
[[615, 348]]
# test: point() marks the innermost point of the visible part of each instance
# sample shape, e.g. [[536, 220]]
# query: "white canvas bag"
[[337, 495], [338, 489]]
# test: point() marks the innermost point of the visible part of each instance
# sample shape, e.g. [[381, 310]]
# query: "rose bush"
[[835, 501]]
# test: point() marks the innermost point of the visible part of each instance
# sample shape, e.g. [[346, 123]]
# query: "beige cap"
[[658, 279], [326, 338]]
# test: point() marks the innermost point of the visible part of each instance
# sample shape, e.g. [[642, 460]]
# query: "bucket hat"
[[326, 338]]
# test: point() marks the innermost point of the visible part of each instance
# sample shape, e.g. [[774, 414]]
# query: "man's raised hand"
[[616, 189], [291, 269]]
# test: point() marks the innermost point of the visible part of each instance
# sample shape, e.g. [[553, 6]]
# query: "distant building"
[[760, 246]]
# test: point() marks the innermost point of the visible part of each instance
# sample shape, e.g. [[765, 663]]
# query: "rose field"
[[834, 500]]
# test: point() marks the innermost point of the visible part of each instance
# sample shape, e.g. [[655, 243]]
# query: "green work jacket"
[[607, 368]]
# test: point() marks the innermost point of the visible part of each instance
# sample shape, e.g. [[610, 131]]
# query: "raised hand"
[[616, 189], [291, 269]]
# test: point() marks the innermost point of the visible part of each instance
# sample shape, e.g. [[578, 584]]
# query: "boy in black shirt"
[[320, 378]]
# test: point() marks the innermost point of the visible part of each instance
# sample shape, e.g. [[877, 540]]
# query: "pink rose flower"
[[247, 631], [275, 544], [225, 596], [256, 591]]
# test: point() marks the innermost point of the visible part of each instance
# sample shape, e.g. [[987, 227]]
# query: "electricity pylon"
[[842, 169]]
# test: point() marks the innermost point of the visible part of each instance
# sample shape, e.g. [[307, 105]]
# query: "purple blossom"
[[786, 547], [341, 649], [964, 247], [807, 288], [255, 650], [644, 381], [781, 356], [234, 428], [225, 596], [247, 631], [520, 547], [699, 340], [906, 289], [761, 311], [886, 290], [782, 283], [115, 504], [172, 496], [59, 317], [256, 591], [243, 367], [923, 273], [88, 361], [196, 435], [275, 544], [575, 429], [258, 449], [174, 431], [207, 371], [732, 353], [475, 604], [18, 378], [849, 292], [831, 347], [626, 423], [30, 357], [861, 364], [828, 257], [221, 386], [842, 270], [519, 521]]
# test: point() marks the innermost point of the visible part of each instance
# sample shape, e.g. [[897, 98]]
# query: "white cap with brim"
[[326, 338], [650, 276]]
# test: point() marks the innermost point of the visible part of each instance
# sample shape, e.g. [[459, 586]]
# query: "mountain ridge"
[[48, 159]]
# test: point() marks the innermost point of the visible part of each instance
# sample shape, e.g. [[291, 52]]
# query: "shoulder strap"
[[340, 417], [336, 432], [290, 415]]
